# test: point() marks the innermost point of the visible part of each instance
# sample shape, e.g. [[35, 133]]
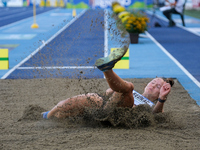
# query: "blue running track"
[[12, 14], [71, 54], [183, 45]]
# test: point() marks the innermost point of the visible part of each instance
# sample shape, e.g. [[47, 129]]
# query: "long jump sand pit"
[[22, 127]]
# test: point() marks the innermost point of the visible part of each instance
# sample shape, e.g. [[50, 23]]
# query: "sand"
[[22, 127]]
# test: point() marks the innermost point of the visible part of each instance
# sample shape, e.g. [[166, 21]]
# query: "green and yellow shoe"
[[107, 63]]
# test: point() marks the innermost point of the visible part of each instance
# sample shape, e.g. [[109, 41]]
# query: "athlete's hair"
[[169, 80]]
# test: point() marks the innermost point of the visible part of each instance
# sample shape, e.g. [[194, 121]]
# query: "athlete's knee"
[[130, 87]]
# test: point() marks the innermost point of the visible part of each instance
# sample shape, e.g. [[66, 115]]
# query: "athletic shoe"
[[107, 63]]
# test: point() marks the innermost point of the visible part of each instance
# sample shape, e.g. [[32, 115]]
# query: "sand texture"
[[22, 127]]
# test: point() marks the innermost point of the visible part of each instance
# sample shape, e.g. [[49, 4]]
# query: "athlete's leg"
[[75, 105], [122, 95], [116, 83]]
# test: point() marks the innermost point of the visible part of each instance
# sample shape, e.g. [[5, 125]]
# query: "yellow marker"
[[42, 3], [56, 3], [34, 25], [62, 3], [74, 13], [4, 61], [124, 62], [48, 3]]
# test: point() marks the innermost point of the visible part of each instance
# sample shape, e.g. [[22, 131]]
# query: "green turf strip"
[[2, 59], [125, 58], [193, 13]]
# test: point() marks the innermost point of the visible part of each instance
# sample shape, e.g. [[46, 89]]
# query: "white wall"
[[12, 3]]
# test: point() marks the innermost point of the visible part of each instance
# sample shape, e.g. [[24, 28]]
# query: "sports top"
[[140, 99]]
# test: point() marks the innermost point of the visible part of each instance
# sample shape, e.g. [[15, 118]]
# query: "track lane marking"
[[173, 59], [44, 44], [105, 33], [58, 67]]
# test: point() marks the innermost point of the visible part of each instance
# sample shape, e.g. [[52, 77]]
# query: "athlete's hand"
[[164, 91]]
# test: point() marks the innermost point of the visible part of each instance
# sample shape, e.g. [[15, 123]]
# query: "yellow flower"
[[142, 22], [123, 14], [118, 9], [124, 19], [132, 18], [128, 28], [128, 25], [130, 21], [136, 23], [139, 26]]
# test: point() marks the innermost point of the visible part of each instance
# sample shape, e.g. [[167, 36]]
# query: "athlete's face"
[[153, 88]]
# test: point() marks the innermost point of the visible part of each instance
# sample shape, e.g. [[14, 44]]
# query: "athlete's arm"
[[164, 91]]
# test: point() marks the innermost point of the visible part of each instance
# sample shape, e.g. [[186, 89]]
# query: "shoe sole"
[[108, 62]]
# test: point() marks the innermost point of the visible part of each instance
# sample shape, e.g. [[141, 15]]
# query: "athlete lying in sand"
[[121, 93]]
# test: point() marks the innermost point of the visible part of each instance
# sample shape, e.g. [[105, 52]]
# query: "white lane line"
[[15, 15], [8, 25], [174, 60], [38, 49], [180, 26], [195, 30], [105, 33], [58, 67], [60, 14]]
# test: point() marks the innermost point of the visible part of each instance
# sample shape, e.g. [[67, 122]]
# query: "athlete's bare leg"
[[75, 106], [122, 90]]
